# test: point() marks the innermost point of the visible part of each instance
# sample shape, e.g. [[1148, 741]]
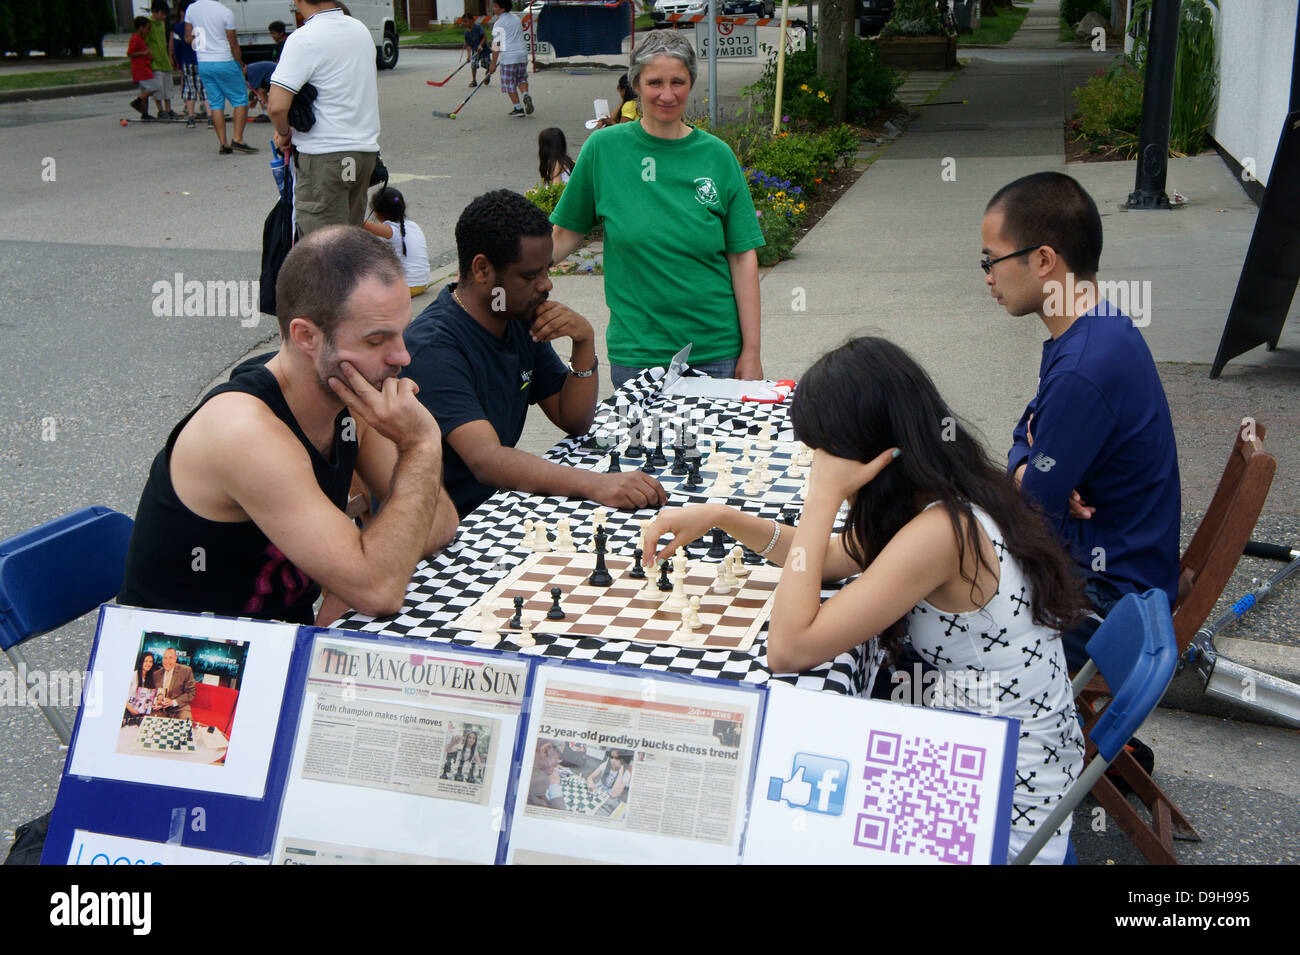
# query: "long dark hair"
[[552, 148], [140, 676], [625, 88], [869, 395], [390, 204]]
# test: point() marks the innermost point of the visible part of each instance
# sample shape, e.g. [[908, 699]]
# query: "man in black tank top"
[[243, 511]]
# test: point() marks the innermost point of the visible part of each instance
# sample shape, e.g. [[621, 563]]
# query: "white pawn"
[[686, 618], [650, 590], [525, 636], [598, 518], [528, 533], [743, 461], [733, 580], [753, 487], [720, 585], [694, 611], [564, 537], [540, 542]]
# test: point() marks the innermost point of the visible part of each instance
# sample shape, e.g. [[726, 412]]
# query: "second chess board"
[[729, 621]]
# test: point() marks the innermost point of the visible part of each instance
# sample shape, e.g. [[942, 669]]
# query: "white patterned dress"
[[1004, 664]]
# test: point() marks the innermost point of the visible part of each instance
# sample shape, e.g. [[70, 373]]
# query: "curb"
[[58, 92]]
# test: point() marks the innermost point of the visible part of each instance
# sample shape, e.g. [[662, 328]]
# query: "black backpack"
[[277, 240]]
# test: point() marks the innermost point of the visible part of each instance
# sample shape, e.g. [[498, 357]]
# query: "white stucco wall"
[[1255, 40]]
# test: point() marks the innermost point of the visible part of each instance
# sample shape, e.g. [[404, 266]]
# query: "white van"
[[253, 16]]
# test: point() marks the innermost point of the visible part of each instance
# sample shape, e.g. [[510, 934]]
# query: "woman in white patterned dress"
[[949, 556]]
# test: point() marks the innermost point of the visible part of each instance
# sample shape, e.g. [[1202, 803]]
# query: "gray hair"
[[659, 43]]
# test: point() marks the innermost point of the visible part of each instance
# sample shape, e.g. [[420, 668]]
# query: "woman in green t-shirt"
[[680, 228]]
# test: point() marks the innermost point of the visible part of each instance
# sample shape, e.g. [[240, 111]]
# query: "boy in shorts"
[[476, 49], [137, 51], [162, 62]]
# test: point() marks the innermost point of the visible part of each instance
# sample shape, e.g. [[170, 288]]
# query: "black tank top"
[[180, 561]]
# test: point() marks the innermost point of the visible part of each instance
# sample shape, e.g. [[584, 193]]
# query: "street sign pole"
[[713, 64]]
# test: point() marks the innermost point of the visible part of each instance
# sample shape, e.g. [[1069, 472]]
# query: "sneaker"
[[170, 116], [528, 104], [146, 118], [472, 83], [236, 145], [518, 111], [224, 151], [137, 104], [189, 123]]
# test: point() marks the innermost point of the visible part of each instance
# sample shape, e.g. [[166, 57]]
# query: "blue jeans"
[[714, 369]]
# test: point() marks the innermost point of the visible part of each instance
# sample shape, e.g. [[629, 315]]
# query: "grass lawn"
[[114, 69], [997, 29]]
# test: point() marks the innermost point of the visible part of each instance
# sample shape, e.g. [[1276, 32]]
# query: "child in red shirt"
[[138, 53]]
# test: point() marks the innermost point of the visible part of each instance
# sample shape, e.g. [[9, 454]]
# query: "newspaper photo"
[[613, 757]]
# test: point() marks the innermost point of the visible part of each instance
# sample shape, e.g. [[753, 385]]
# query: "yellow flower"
[[804, 87]]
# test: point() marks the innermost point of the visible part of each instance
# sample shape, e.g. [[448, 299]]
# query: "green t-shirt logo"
[[706, 193]]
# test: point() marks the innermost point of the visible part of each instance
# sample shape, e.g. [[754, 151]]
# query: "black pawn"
[[613, 463], [679, 461], [750, 557], [517, 621], [657, 457], [555, 613], [664, 583], [600, 576], [635, 448], [693, 475], [718, 549], [637, 572], [649, 466]]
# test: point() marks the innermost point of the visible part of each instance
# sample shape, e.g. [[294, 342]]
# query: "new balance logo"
[[1042, 462]]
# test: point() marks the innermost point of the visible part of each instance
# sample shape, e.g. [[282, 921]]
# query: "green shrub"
[[871, 87], [800, 159], [1110, 107], [914, 18], [545, 197], [778, 233]]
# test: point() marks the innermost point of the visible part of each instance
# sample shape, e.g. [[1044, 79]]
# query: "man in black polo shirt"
[[481, 354]]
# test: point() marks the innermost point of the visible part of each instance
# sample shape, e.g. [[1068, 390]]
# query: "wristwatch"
[[584, 374]]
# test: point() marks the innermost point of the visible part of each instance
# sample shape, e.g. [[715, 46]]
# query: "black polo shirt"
[[466, 373]]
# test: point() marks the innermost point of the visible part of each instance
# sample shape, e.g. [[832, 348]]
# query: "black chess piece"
[[718, 548], [649, 466], [657, 457], [750, 557], [516, 622], [613, 463], [556, 612], [693, 475], [679, 461], [635, 449], [637, 572], [664, 583], [600, 576]]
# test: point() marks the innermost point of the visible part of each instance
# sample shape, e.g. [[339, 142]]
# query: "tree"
[[834, 27]]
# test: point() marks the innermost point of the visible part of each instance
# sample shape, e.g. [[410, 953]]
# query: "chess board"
[[579, 798], [729, 621], [166, 735]]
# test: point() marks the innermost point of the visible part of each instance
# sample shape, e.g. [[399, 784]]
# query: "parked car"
[[253, 16], [748, 8], [872, 15], [664, 8]]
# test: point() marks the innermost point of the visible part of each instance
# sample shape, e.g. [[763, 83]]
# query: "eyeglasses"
[[987, 264]]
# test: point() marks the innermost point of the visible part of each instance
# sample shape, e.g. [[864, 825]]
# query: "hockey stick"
[[448, 79], [452, 114]]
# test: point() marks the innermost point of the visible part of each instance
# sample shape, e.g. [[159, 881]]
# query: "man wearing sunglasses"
[[1095, 447]]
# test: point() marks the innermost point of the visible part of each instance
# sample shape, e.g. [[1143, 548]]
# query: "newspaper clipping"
[[388, 719], [664, 766]]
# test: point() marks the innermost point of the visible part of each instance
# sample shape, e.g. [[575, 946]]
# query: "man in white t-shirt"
[[210, 30], [511, 54], [334, 159]]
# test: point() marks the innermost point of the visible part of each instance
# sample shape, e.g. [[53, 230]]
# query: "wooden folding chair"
[[1207, 565]]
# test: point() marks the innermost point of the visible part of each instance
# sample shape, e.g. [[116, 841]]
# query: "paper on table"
[[726, 388]]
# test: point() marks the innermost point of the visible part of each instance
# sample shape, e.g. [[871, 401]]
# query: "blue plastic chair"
[[1136, 651], [55, 573]]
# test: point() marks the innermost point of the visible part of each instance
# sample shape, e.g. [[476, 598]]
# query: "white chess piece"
[[743, 461], [563, 537], [720, 585], [738, 565], [686, 619], [764, 437], [540, 542], [753, 487], [650, 590], [491, 624], [525, 636], [677, 599], [599, 517], [729, 569], [694, 612], [528, 533]]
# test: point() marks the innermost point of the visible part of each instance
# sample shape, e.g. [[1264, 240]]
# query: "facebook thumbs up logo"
[[816, 783]]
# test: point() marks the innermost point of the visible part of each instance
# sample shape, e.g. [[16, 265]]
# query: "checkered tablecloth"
[[489, 543]]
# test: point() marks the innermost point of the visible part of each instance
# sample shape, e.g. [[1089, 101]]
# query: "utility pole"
[[1157, 106]]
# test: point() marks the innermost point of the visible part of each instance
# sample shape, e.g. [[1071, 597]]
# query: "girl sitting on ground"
[[553, 153], [407, 239]]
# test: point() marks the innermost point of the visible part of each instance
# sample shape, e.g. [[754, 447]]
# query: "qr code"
[[922, 797]]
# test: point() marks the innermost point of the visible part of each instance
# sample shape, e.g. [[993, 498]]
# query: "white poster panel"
[[846, 781], [95, 848], [632, 769], [165, 747], [402, 755]]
